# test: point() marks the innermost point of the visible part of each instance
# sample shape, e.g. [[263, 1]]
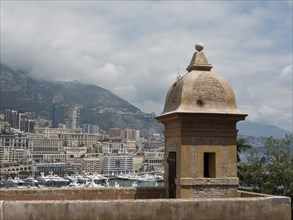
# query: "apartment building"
[[113, 147], [130, 146], [130, 134], [13, 148], [154, 160], [74, 151], [44, 149], [115, 134], [92, 165], [50, 167], [74, 165], [19, 121], [71, 135], [117, 164]]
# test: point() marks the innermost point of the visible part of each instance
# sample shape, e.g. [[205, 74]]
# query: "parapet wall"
[[246, 206], [83, 193], [156, 209]]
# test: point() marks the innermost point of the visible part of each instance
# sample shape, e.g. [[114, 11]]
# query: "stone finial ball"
[[199, 46]]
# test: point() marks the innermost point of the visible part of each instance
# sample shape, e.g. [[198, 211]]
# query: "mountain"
[[247, 128], [97, 105]]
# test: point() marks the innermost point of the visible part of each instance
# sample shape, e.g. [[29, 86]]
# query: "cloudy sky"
[[135, 48]]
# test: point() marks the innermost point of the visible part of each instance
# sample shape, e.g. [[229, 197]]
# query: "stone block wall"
[[83, 194], [260, 207], [206, 191]]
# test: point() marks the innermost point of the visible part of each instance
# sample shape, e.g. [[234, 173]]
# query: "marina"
[[84, 180]]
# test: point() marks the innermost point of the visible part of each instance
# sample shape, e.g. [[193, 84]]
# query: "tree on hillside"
[[242, 146], [271, 172]]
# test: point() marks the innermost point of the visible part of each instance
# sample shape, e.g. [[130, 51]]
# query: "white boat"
[[92, 184], [134, 184], [52, 180], [19, 181], [116, 184], [30, 181], [10, 182], [147, 177], [85, 180]]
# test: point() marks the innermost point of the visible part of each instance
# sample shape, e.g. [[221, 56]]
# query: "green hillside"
[[98, 105]]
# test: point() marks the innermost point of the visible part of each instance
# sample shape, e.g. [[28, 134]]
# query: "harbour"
[[81, 180]]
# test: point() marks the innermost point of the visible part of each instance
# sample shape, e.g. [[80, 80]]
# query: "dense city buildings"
[[20, 121], [45, 146]]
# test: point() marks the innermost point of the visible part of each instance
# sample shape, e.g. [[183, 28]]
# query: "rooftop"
[[200, 90]]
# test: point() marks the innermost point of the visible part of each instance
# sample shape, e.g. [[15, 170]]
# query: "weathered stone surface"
[[201, 92], [214, 191], [209, 181], [82, 194], [256, 207], [216, 93]]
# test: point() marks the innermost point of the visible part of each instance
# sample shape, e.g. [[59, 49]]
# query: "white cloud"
[[135, 49], [285, 78], [268, 114]]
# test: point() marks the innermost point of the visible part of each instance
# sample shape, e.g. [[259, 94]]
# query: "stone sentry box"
[[200, 116]]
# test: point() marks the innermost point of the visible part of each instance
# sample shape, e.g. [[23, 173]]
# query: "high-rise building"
[[27, 125], [115, 133], [73, 118], [20, 121], [58, 115], [130, 134], [12, 118], [90, 129]]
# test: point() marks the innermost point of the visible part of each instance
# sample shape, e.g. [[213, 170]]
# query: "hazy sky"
[[135, 48]]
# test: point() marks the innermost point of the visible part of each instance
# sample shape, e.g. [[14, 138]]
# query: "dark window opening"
[[209, 165], [172, 174]]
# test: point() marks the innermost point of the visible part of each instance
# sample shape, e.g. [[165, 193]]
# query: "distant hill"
[[98, 105], [247, 128]]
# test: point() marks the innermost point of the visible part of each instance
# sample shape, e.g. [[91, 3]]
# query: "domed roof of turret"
[[200, 90]]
